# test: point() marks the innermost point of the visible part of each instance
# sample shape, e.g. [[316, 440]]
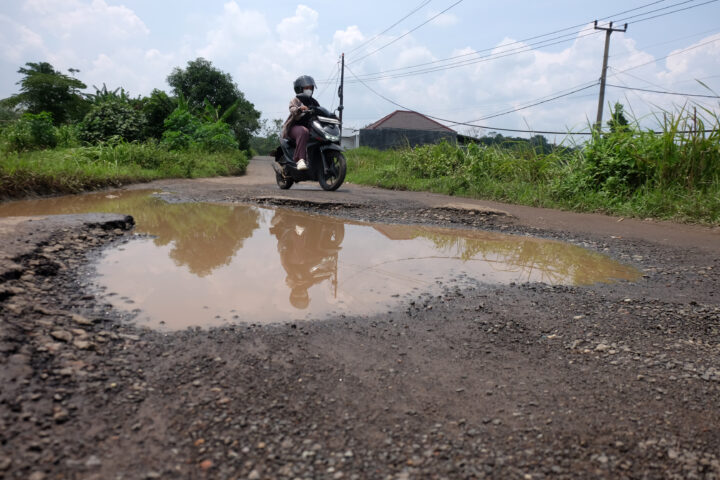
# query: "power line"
[[407, 33], [461, 123], [389, 28], [574, 27], [663, 92], [712, 31], [663, 87], [667, 56], [674, 11], [535, 104], [491, 128], [525, 47], [481, 59]]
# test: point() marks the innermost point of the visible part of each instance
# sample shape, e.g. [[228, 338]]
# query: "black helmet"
[[303, 82]]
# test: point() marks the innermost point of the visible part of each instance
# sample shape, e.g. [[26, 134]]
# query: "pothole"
[[210, 264]]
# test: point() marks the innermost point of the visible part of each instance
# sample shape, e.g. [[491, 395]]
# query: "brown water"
[[210, 264]]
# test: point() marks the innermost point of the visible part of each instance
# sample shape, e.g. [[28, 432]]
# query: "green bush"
[[216, 137], [31, 132], [673, 173], [68, 136], [112, 119], [157, 107], [184, 131], [7, 116]]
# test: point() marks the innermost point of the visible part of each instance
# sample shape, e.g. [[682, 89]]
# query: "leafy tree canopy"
[[201, 84], [44, 89], [112, 119], [157, 107], [618, 122]]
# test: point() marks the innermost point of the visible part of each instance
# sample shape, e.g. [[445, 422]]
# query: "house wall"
[[386, 138]]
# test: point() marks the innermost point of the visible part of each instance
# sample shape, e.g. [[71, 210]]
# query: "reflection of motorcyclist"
[[308, 249]]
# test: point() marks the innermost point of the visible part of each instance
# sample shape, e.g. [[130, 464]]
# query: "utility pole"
[[340, 88], [608, 31]]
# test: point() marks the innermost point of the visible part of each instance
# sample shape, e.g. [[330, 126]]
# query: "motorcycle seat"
[[288, 142]]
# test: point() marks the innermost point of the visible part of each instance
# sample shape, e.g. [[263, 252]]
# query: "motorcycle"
[[326, 162]]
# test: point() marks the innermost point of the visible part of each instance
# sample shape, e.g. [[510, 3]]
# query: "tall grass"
[[671, 174], [77, 169]]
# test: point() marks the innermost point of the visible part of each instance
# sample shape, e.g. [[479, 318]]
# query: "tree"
[[113, 115], [201, 83], [269, 136], [157, 107], [44, 89], [618, 122], [31, 131], [184, 130], [111, 119]]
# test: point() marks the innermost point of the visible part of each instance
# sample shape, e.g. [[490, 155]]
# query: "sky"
[[503, 55]]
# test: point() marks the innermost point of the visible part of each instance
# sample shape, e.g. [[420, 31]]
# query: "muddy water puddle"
[[210, 264]]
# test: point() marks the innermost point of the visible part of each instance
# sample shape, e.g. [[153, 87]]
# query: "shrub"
[[112, 118], [184, 131], [31, 132], [157, 107], [216, 137]]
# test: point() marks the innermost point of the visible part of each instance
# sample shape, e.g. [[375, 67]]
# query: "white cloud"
[[237, 31], [305, 21], [347, 38], [71, 18], [264, 54], [698, 62], [17, 41]]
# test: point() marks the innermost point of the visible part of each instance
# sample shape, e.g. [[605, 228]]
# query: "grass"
[[672, 175], [74, 170]]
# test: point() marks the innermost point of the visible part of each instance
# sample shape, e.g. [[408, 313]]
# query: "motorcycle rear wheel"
[[283, 182], [337, 167]]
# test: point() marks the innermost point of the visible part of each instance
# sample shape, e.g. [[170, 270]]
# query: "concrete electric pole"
[[608, 31]]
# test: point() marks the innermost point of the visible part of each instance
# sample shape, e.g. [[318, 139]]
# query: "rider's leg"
[[301, 135]]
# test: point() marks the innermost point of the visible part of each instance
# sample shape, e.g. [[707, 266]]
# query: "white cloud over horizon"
[[113, 44]]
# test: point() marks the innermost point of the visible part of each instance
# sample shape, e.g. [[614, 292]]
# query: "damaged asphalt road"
[[520, 381]]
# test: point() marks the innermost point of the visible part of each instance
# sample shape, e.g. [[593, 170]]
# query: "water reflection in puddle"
[[213, 264]]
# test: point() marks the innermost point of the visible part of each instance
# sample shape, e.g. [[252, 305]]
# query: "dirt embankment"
[[519, 381]]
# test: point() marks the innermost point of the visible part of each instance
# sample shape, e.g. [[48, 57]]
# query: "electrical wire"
[[330, 79], [481, 59], [678, 52], [662, 92], [383, 75], [407, 33], [674, 83], [462, 123], [490, 128], [523, 41], [670, 13], [389, 28], [712, 31], [536, 103]]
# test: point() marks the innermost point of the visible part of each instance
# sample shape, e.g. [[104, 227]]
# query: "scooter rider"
[[295, 126]]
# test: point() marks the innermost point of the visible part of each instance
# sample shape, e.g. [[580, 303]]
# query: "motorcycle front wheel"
[[337, 167], [283, 182]]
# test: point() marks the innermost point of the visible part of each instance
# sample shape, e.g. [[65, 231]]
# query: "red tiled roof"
[[409, 120]]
